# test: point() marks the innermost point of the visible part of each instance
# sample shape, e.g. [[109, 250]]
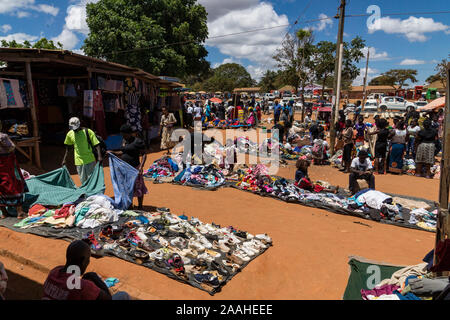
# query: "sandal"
[[138, 254]]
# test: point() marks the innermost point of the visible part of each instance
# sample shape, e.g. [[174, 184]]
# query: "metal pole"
[[335, 108], [443, 225], [339, 76], [365, 78]]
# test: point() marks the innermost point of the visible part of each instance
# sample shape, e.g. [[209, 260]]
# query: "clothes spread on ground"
[[95, 211], [198, 175], [163, 167]]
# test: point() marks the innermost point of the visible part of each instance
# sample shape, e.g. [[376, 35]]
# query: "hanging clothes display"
[[99, 114], [10, 96], [23, 93], [88, 105]]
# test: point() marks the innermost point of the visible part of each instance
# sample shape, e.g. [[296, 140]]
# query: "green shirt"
[[83, 153]]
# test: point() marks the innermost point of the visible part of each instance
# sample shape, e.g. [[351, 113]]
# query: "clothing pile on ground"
[[162, 168], [224, 124], [336, 159], [89, 213], [203, 255], [293, 153], [415, 282], [201, 176]]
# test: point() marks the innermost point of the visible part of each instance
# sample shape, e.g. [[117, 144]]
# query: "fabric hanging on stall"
[[10, 96], [110, 102], [99, 114], [3, 99], [70, 90], [101, 82], [23, 93], [133, 116], [88, 105]]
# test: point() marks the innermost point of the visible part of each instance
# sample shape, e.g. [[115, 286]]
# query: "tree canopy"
[[159, 36], [395, 77], [227, 77], [42, 43]]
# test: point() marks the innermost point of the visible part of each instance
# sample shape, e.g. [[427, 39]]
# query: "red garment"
[[306, 184], [55, 287], [443, 253], [65, 211], [12, 182], [37, 210]]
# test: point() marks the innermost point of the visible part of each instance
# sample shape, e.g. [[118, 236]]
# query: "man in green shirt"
[[83, 154]]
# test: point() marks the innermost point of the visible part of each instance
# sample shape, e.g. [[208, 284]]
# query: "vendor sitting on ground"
[[361, 169], [60, 280], [303, 181]]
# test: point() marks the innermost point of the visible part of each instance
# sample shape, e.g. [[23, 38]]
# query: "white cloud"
[[18, 7], [374, 55], [46, 9], [5, 28], [322, 24], [19, 37], [68, 39], [414, 29], [226, 60], [219, 8], [371, 73], [257, 46], [23, 14], [257, 72], [411, 62]]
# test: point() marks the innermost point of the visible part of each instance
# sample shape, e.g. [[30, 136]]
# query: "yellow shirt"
[[83, 153]]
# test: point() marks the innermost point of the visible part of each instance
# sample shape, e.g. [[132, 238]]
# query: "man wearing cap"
[[361, 168], [84, 157]]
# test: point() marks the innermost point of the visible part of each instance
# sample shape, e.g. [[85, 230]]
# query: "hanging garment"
[[88, 105], [443, 253], [11, 90], [123, 177], [3, 99], [23, 93], [70, 90], [133, 116]]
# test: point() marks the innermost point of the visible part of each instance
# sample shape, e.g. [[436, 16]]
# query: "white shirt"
[[198, 112], [190, 109], [365, 166], [413, 130]]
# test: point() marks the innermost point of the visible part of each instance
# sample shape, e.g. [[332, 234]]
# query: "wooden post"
[[443, 221], [37, 153], [365, 78]]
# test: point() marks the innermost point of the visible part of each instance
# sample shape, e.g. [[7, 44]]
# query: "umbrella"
[[215, 100], [435, 104]]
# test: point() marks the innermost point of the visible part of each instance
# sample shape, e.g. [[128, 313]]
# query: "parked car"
[[371, 105], [395, 103], [420, 104], [268, 96], [375, 96]]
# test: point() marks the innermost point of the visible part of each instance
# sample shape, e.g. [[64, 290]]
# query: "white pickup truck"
[[395, 103]]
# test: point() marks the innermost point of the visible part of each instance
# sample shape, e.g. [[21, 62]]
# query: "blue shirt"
[[277, 109]]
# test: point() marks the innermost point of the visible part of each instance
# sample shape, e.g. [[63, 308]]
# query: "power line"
[[273, 27]]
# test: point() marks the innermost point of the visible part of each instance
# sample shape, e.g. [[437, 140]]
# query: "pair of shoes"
[[264, 238]]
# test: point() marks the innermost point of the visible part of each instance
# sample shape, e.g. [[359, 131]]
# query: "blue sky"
[[415, 41]]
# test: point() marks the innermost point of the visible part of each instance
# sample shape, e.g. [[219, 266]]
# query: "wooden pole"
[[37, 153], [339, 78], [335, 108], [365, 78], [443, 221]]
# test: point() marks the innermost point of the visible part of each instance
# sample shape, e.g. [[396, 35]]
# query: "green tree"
[[399, 77], [42, 43], [227, 77], [269, 81], [441, 69], [158, 36], [351, 57], [324, 56], [382, 80]]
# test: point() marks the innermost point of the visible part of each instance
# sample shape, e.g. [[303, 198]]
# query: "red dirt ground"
[[308, 260]]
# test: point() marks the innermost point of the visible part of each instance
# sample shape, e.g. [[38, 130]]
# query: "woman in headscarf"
[[12, 183], [425, 149], [167, 122]]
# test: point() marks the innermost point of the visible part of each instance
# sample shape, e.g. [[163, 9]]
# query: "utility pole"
[[365, 78], [443, 221], [337, 88], [339, 78]]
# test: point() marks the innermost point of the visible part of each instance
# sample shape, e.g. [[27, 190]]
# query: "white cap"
[[74, 123]]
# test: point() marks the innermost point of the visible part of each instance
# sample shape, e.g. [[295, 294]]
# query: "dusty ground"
[[308, 259]]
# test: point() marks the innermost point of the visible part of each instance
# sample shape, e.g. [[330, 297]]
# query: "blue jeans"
[[410, 148]]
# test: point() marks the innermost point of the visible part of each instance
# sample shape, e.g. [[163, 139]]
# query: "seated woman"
[[303, 181]]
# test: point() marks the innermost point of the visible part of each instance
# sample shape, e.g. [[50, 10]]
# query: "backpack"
[[102, 144]]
